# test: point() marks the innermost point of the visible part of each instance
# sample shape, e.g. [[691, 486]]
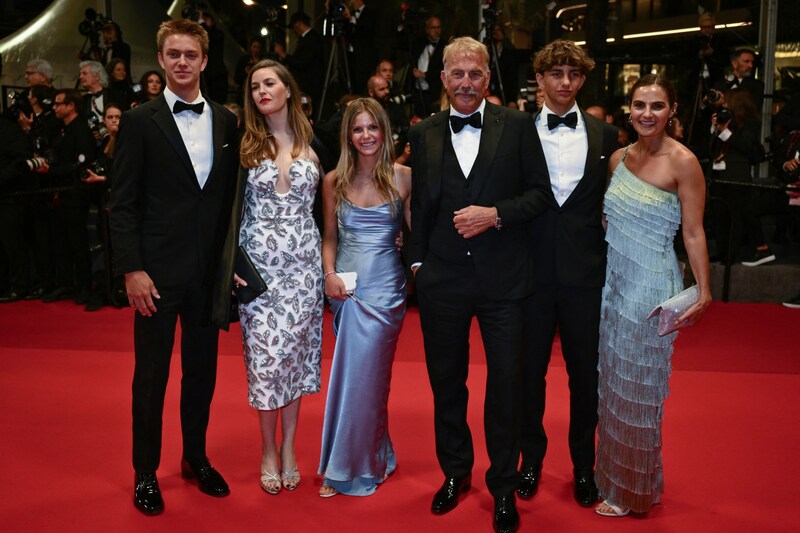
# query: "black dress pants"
[[449, 296], [153, 342], [576, 313]]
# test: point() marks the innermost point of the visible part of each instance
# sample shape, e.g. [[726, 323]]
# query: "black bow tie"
[[183, 106], [458, 123], [570, 120]]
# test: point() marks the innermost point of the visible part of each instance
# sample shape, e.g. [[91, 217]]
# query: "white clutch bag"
[[670, 310], [350, 280]]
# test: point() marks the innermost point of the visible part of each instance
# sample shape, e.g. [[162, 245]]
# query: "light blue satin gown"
[[357, 453]]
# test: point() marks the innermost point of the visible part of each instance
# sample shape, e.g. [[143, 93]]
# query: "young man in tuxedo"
[[176, 161], [473, 194], [572, 151]]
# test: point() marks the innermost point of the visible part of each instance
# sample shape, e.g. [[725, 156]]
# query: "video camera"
[[96, 126], [18, 103], [95, 166], [335, 20], [92, 25]]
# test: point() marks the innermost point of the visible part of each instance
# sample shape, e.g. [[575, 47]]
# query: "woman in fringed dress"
[[657, 185]]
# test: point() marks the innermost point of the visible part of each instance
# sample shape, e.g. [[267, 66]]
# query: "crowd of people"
[[540, 220]]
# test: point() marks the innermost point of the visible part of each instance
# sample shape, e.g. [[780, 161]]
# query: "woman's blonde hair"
[[257, 142], [348, 160]]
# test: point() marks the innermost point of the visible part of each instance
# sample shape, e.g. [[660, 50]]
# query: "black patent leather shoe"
[[208, 479], [506, 518], [446, 498], [529, 484], [146, 494], [585, 489]]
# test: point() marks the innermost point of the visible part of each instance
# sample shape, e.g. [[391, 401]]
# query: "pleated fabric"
[[357, 452], [635, 363]]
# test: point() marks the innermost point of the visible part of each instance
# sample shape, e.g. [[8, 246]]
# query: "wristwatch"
[[498, 222]]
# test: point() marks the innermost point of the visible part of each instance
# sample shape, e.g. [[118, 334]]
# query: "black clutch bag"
[[246, 270]]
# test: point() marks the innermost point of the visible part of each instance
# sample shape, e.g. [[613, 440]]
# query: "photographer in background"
[[72, 149], [37, 72], [120, 89], [215, 75], [13, 150], [98, 177], [114, 45], [306, 63], [742, 76], [735, 148], [94, 79]]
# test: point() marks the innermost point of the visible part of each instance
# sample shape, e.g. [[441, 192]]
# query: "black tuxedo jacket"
[[162, 222], [435, 66], [568, 241], [505, 177]]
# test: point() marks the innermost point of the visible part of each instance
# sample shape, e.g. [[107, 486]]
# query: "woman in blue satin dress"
[[364, 201]]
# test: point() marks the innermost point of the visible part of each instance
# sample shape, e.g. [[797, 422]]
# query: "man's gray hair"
[[97, 69], [42, 67]]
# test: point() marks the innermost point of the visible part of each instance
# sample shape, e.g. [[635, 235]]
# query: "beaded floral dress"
[[282, 328]]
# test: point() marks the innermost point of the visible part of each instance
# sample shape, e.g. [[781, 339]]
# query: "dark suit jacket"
[[740, 152], [505, 177], [162, 222], [568, 241]]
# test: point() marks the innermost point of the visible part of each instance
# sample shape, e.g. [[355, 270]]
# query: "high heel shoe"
[[271, 483], [327, 491], [290, 479]]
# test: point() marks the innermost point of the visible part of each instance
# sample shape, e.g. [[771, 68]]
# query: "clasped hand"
[[474, 220]]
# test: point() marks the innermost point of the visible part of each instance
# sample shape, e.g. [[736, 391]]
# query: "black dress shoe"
[[529, 484], [61, 293], [208, 479], [585, 489], [506, 518], [446, 498], [34, 294], [146, 494], [12, 296]]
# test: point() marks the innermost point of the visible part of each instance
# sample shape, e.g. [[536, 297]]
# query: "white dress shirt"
[[467, 142], [197, 134], [565, 151]]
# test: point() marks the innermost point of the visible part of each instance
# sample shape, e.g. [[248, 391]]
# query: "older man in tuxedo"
[[569, 252], [473, 193], [173, 186]]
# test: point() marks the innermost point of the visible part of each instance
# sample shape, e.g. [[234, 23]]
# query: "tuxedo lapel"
[[218, 129], [543, 160], [163, 118], [434, 143], [491, 132], [594, 141]]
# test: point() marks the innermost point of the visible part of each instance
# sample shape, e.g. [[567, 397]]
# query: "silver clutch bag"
[[670, 310], [350, 280]]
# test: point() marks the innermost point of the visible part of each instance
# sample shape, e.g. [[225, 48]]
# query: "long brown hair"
[[348, 160], [257, 142]]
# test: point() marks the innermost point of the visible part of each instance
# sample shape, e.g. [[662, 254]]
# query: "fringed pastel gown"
[[634, 365]]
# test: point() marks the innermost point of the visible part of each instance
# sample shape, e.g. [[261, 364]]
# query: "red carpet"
[[729, 437]]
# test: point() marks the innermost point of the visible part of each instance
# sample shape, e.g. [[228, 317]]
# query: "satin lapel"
[[218, 129], [166, 123], [543, 160], [594, 138], [434, 150], [492, 130]]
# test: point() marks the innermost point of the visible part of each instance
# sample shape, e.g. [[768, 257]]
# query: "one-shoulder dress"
[[282, 328], [357, 453], [634, 364]]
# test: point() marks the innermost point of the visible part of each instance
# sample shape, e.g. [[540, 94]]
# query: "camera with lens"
[[724, 115], [96, 126], [714, 96], [95, 166], [92, 25], [18, 103]]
